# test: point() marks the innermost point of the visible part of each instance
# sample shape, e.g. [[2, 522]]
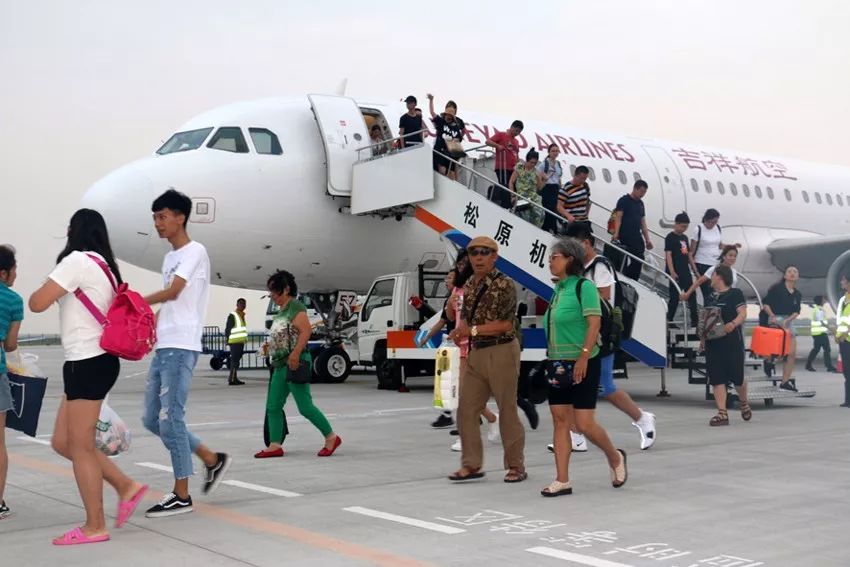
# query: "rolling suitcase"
[[770, 341]]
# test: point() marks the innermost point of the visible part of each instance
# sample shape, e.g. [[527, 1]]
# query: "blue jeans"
[[606, 378], [166, 392]]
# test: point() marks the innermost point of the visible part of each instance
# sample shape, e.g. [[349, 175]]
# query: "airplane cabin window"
[[769, 193], [818, 199], [707, 186], [839, 200], [828, 198], [720, 188], [606, 175], [787, 195], [757, 190], [637, 176], [380, 296], [229, 139], [805, 196], [694, 185], [733, 189], [265, 141], [746, 189], [184, 141], [591, 174], [622, 175]]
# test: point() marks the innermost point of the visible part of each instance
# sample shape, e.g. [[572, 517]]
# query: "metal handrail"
[[753, 287], [608, 242], [391, 142]]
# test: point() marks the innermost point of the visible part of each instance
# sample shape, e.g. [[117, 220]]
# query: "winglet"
[[340, 90]]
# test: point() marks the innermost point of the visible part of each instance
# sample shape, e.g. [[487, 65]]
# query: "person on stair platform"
[[820, 335], [679, 265], [410, 124], [507, 157], [236, 331], [706, 246], [781, 306], [630, 230], [449, 143], [377, 137], [551, 170], [574, 197], [526, 181], [723, 340], [842, 335], [727, 258]]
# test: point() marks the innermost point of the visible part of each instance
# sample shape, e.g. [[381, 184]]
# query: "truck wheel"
[[216, 363], [387, 371], [333, 365]]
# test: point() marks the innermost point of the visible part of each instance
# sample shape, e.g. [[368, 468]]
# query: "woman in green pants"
[[288, 347]]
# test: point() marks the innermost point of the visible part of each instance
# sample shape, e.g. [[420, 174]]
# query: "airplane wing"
[[812, 255]]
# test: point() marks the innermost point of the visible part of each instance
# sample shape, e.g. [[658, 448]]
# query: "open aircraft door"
[[672, 187], [343, 131]]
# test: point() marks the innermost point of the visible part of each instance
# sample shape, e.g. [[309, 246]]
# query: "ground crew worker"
[[236, 331], [842, 335], [820, 334]]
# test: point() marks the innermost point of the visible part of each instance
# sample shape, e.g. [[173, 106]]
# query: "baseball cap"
[[410, 98]]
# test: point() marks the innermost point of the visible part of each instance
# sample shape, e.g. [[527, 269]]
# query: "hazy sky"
[[88, 86]]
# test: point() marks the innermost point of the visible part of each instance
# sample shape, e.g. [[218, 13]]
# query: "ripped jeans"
[[166, 392]]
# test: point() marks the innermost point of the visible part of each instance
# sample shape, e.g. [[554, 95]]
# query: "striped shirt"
[[576, 199], [11, 310]]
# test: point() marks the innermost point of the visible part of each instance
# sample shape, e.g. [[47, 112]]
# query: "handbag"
[[302, 374], [713, 325], [455, 147], [27, 395]]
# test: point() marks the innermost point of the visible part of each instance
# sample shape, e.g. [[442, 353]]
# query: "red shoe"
[[269, 453], [325, 452]]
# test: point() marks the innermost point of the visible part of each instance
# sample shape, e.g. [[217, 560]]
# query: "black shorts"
[[92, 378], [441, 160], [583, 395]]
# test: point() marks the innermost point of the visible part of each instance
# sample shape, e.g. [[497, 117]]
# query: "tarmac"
[[771, 492]]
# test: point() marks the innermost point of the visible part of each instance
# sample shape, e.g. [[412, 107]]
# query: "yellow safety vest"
[[239, 332], [818, 322], [842, 331]]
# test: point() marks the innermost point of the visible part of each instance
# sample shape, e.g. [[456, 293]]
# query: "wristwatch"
[[474, 331]]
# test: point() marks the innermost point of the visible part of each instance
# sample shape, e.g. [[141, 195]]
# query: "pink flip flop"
[[77, 537], [126, 509]]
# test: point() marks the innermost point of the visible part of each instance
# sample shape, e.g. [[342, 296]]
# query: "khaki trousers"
[[491, 371]]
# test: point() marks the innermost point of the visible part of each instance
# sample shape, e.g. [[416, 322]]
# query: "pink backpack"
[[129, 327]]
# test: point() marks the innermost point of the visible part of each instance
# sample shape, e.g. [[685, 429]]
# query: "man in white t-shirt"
[[180, 321], [598, 269]]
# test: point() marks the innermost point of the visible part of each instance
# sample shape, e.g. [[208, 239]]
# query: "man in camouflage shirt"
[[488, 317]]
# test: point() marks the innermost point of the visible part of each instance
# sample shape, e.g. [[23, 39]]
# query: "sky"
[[86, 87]]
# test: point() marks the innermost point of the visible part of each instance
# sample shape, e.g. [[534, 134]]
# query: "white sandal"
[[557, 489]]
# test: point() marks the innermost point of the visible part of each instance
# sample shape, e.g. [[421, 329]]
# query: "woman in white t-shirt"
[[88, 265], [706, 245], [727, 258]]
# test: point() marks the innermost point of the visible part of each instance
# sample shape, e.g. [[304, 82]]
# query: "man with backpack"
[[599, 270], [186, 282]]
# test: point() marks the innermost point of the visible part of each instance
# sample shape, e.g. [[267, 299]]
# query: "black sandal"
[[470, 475], [722, 418]]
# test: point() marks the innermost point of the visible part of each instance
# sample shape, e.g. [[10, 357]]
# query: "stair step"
[[774, 393]]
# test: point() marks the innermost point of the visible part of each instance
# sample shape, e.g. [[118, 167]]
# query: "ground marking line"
[[260, 488], [156, 466], [405, 520], [208, 423], [34, 440], [575, 557]]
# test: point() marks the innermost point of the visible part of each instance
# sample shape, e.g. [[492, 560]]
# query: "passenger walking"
[[679, 264], [288, 338], [842, 334], [507, 156], [706, 246], [820, 335], [723, 341], [526, 181], [410, 124], [728, 258], [488, 320], [449, 143], [180, 323], [630, 230], [550, 169], [574, 197], [236, 331], [11, 315], [781, 306], [89, 372], [572, 324]]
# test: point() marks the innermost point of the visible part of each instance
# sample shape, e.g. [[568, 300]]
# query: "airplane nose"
[[124, 199]]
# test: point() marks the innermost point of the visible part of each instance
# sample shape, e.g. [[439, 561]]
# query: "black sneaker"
[[530, 412], [214, 474], [236, 382], [170, 505], [443, 421], [4, 510], [454, 432], [810, 368], [788, 386]]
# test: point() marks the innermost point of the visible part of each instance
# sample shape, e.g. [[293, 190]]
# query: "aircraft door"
[[343, 130], [376, 317], [670, 183]]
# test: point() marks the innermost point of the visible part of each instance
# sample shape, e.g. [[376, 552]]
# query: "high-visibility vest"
[[842, 331], [239, 331], [818, 322]]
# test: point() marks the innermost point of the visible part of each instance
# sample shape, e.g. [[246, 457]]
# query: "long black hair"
[[87, 233]]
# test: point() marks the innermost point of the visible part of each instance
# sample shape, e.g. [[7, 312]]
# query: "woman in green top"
[[526, 180], [288, 338], [572, 325]]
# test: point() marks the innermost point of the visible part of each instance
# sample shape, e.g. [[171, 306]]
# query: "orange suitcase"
[[770, 341]]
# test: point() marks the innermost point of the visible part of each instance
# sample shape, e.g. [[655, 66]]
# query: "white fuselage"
[[266, 212]]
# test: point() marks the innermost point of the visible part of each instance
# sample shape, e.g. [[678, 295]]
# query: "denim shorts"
[[780, 320], [606, 377], [5, 394]]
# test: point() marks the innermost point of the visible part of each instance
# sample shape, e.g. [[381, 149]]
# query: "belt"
[[487, 343]]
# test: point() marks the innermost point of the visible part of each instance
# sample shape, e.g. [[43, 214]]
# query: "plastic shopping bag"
[[112, 434], [447, 377], [23, 364]]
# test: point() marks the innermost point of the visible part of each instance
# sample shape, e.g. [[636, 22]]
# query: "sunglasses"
[[480, 251]]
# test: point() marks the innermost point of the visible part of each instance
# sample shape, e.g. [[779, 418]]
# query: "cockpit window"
[[265, 141], [184, 141], [229, 139]]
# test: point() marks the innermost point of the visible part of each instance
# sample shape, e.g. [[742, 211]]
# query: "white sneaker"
[[456, 446], [579, 443], [493, 435], [646, 427]]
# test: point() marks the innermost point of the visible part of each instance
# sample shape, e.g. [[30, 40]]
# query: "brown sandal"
[[746, 411], [515, 476], [470, 474], [722, 418]]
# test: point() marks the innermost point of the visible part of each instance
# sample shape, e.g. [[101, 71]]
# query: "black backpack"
[[625, 298], [611, 328], [699, 235]]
